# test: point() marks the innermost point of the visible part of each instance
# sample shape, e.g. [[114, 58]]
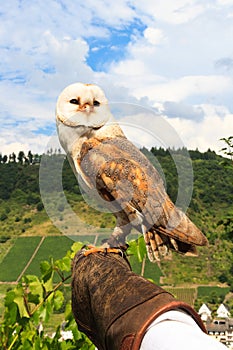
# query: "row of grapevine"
[[188, 295]]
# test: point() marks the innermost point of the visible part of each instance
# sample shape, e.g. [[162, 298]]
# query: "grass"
[[52, 247], [17, 258], [23, 248], [188, 295], [42, 229], [195, 270], [150, 270], [213, 296], [203, 291], [20, 217], [5, 247]]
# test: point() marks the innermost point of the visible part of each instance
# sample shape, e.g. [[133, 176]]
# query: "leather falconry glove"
[[112, 305]]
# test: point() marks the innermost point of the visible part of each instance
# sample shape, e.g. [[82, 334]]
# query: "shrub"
[[27, 220], [4, 239], [3, 217], [40, 206]]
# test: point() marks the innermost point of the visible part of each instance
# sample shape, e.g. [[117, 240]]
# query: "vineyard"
[[35, 277], [187, 295], [27, 253]]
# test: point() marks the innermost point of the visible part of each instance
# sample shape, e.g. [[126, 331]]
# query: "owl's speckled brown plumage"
[[124, 178]]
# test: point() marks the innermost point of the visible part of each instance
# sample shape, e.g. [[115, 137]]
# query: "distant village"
[[220, 326]]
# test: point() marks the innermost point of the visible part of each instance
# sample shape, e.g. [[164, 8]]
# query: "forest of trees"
[[212, 174]]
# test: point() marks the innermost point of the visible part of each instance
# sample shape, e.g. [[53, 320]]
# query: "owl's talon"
[[93, 250], [90, 246]]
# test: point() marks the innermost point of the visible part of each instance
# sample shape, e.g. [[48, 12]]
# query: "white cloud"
[[224, 2], [144, 82], [204, 134], [67, 59], [35, 143], [153, 35], [146, 128], [171, 55], [171, 11], [114, 14], [180, 89]]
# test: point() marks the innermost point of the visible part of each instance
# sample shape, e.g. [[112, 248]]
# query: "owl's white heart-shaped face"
[[82, 105]]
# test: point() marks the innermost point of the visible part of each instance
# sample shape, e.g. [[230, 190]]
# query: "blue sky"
[[171, 56]]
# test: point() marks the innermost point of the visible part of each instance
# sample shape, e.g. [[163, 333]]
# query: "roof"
[[220, 325], [223, 311], [204, 309]]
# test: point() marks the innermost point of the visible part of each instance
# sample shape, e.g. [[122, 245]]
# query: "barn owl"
[[125, 180]]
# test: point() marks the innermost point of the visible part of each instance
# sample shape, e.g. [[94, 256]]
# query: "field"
[[25, 256], [17, 258], [26, 253], [208, 290], [187, 295]]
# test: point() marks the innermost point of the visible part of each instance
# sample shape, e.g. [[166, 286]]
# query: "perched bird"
[[125, 180]]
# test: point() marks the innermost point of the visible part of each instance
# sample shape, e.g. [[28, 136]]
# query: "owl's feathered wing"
[[134, 190]]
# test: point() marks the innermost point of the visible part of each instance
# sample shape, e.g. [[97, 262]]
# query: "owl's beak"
[[86, 107]]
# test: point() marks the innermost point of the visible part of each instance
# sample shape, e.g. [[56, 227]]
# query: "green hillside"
[[211, 208]]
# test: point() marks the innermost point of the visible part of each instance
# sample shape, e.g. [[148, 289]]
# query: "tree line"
[[21, 158], [30, 158], [26, 158]]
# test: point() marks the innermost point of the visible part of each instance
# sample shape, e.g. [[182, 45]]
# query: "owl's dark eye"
[[74, 101], [96, 103]]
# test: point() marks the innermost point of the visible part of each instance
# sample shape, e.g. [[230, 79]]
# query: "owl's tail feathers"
[[159, 246], [182, 239]]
